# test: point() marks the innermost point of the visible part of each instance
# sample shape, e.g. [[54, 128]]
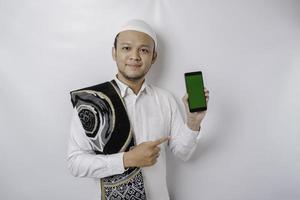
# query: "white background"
[[249, 52]]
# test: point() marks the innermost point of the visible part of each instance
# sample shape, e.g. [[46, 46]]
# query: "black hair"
[[115, 42]]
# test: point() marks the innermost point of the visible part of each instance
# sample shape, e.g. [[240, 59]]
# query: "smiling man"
[[121, 128], [134, 54]]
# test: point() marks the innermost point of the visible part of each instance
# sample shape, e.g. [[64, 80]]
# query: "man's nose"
[[135, 55]]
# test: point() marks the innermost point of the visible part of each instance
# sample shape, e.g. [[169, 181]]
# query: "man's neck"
[[135, 85]]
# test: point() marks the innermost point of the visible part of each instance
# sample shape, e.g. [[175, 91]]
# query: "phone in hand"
[[195, 89]]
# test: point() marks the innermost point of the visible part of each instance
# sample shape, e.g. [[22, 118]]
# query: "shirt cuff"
[[191, 135], [115, 163]]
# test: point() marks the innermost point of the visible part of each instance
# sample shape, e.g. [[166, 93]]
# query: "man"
[[120, 129]]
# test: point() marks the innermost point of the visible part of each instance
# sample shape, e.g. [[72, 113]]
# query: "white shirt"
[[153, 113]]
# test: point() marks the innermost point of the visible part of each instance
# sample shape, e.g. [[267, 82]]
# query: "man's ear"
[[154, 57], [114, 53]]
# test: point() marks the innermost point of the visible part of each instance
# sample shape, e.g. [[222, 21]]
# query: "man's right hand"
[[144, 154]]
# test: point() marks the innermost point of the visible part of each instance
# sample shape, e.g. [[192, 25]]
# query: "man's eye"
[[126, 48], [145, 50]]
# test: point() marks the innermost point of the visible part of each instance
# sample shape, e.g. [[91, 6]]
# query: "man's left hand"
[[194, 119]]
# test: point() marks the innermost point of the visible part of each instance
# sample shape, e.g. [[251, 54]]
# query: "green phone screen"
[[195, 90]]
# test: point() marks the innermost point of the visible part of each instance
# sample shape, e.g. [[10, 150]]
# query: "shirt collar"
[[124, 89]]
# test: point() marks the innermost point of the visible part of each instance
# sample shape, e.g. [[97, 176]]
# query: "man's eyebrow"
[[145, 45], [127, 43]]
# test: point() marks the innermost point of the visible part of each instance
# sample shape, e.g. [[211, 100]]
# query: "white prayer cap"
[[141, 26]]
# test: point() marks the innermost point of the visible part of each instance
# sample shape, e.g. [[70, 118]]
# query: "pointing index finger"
[[161, 140]]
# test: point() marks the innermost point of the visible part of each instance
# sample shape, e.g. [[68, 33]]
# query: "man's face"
[[134, 55]]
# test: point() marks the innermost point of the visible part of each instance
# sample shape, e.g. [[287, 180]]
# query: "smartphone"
[[195, 89]]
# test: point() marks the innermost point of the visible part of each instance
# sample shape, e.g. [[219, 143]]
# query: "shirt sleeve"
[[183, 140], [82, 160]]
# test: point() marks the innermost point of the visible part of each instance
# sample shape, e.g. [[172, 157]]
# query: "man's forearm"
[[84, 164]]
